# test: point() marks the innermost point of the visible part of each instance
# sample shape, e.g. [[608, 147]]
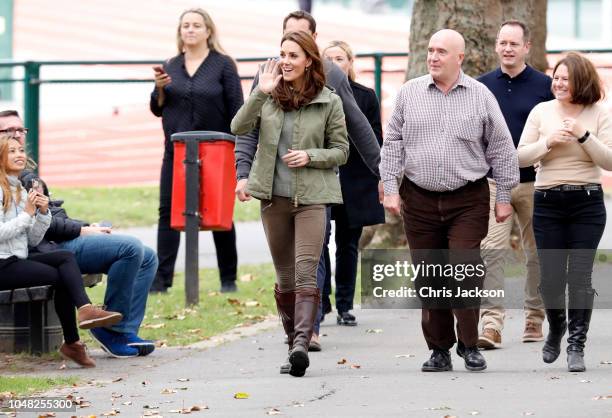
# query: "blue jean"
[[130, 268]]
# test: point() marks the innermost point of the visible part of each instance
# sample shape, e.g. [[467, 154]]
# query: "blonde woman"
[[197, 90]]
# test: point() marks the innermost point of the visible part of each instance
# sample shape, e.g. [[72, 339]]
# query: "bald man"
[[445, 133]]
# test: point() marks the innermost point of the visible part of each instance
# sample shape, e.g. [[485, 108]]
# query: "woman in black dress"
[[197, 90]]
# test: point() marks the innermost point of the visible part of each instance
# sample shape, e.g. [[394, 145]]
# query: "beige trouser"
[[492, 311]]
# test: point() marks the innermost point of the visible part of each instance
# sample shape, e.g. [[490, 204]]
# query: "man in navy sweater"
[[518, 88]]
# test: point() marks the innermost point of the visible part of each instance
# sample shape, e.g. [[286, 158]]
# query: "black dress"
[[206, 101]]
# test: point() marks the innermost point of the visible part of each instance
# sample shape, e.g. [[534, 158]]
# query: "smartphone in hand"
[[37, 186], [159, 69]]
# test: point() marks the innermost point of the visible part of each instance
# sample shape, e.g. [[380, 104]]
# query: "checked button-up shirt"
[[441, 141]]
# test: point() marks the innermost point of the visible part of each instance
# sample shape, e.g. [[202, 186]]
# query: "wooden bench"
[[28, 322]]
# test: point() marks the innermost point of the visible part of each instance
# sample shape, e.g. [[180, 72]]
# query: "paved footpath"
[[381, 376]]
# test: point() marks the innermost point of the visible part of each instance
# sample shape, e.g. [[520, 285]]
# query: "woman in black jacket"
[[197, 90], [359, 191]]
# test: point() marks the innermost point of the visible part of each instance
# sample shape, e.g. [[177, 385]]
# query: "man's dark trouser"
[[455, 220]]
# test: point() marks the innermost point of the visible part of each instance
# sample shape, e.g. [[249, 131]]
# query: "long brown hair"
[[213, 38], [314, 76], [584, 82], [7, 195]]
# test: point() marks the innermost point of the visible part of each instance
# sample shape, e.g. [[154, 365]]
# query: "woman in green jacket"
[[302, 141]]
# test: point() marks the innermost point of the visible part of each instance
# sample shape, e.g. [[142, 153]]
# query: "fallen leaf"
[[439, 408], [168, 391], [111, 413], [183, 379], [247, 278], [194, 331], [602, 397], [585, 381], [214, 294], [342, 361], [373, 331], [273, 411], [46, 414], [116, 395], [118, 379], [234, 302], [128, 403], [154, 326], [241, 395], [252, 304], [63, 366], [145, 383], [450, 416], [606, 362], [404, 355], [355, 366], [298, 404]]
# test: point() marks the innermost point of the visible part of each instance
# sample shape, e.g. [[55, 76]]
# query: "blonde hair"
[[213, 40], [4, 182], [349, 54]]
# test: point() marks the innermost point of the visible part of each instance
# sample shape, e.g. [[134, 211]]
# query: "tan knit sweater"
[[570, 163]]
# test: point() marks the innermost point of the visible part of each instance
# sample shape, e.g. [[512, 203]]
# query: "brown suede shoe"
[[489, 339], [93, 317], [315, 343], [77, 352], [533, 332]]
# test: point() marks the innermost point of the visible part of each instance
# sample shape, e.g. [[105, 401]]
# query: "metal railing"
[[32, 82]]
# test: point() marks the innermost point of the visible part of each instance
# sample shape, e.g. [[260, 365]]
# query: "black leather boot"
[[306, 310], [581, 308], [474, 361], [557, 324], [285, 304], [440, 361]]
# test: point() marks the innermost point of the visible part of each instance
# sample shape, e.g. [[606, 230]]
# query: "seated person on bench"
[[129, 265], [24, 219]]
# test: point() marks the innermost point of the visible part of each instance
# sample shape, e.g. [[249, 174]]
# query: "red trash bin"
[[217, 179]]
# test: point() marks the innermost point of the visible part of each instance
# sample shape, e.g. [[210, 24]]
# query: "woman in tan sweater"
[[571, 139]]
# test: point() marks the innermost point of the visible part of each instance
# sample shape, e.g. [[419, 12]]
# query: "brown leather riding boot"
[[285, 304], [306, 309]]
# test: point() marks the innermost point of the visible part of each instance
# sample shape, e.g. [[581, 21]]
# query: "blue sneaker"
[[144, 347], [114, 343]]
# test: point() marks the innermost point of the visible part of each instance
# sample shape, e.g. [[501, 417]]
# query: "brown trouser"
[[295, 237], [455, 220]]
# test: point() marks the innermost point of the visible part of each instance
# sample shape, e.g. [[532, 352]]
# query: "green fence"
[[32, 82]]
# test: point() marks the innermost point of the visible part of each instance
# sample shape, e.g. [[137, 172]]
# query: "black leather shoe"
[[440, 361], [346, 319], [474, 361], [228, 287]]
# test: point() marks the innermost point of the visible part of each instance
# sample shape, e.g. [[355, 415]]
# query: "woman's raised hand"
[[269, 76]]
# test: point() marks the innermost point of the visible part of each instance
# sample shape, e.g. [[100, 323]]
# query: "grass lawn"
[[27, 385], [128, 206], [167, 320]]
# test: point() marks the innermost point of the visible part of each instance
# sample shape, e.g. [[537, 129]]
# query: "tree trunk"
[[478, 21]]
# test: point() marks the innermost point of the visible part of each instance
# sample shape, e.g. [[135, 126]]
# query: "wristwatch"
[[584, 137]]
